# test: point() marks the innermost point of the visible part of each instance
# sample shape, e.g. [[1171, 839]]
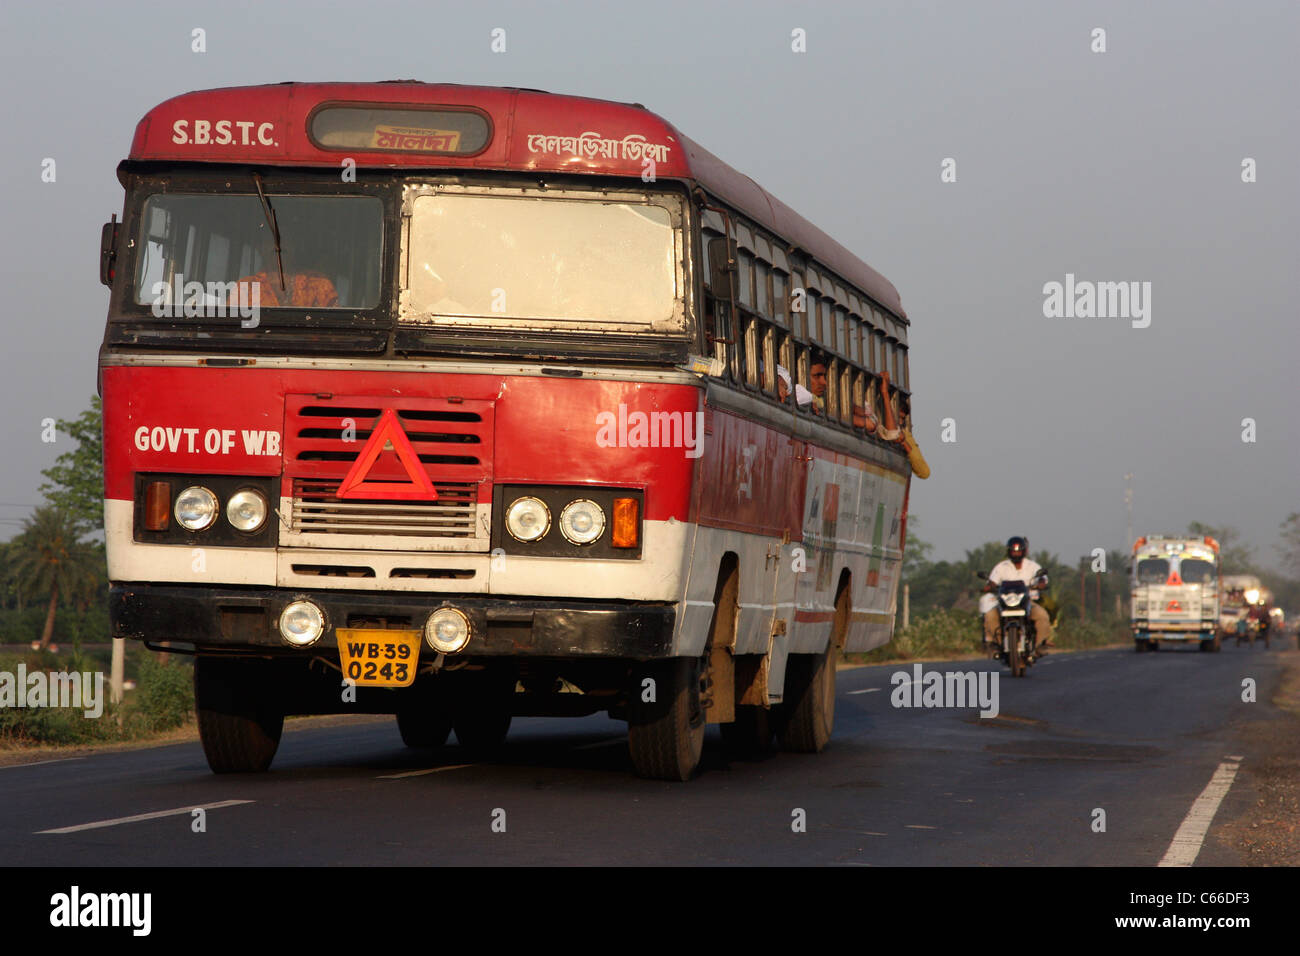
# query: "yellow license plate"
[[379, 658]]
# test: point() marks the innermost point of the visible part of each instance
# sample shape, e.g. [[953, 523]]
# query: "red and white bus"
[[460, 403]]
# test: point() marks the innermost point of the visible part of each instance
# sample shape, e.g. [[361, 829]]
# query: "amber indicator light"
[[626, 514], [157, 506]]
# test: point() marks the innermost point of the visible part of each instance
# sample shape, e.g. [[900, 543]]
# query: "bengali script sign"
[[416, 139], [589, 145]]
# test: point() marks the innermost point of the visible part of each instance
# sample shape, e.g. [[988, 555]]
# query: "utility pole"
[[907, 606], [1128, 502], [1083, 594], [116, 670]]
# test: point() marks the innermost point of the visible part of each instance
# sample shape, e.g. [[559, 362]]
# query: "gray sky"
[[1115, 166]]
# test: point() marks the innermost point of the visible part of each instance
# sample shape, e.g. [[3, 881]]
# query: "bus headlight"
[[196, 508], [528, 519], [582, 521], [302, 623], [447, 630], [246, 510]]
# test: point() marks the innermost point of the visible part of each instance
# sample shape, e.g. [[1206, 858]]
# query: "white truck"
[[1175, 592], [1237, 593]]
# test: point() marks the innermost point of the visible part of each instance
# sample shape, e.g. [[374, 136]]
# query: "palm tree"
[[9, 580], [49, 558]]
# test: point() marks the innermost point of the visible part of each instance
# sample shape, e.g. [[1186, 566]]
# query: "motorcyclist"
[[1018, 566]]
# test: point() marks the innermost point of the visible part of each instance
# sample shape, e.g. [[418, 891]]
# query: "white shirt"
[[1006, 571]]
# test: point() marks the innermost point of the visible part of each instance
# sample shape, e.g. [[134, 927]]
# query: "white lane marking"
[[37, 763], [421, 773], [918, 826], [98, 824], [1190, 837], [869, 690], [601, 743]]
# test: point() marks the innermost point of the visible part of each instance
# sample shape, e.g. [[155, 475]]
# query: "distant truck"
[[1175, 592], [1237, 593]]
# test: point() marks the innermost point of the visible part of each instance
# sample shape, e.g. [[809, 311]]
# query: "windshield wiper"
[[275, 229]]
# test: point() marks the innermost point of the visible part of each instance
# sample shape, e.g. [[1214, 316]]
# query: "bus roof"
[[1162, 545], [522, 129]]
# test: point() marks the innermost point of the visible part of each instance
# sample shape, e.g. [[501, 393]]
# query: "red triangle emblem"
[[1175, 579], [388, 430], [1174, 606]]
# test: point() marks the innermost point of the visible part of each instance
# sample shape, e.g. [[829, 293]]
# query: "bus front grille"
[[316, 509]]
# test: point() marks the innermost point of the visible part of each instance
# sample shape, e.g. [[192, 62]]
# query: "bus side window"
[[859, 400], [715, 329], [873, 397], [817, 381], [781, 297], [785, 362], [762, 279], [767, 357], [845, 393], [832, 394], [745, 280], [750, 355], [803, 396]]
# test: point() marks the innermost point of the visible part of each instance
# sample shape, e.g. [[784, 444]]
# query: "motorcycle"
[[1017, 643], [1254, 628]]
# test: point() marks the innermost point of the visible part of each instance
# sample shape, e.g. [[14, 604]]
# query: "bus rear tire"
[[809, 710], [239, 723], [665, 736]]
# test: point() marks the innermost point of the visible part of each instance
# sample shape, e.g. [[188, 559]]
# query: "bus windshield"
[[1196, 571], [197, 249], [1152, 571], [511, 259]]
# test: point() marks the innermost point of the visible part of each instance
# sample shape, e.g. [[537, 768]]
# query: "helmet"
[[1017, 547]]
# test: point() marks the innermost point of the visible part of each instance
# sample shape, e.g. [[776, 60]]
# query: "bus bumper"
[[247, 619], [1180, 635]]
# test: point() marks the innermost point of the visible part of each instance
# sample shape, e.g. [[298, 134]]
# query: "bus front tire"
[[239, 723], [482, 729], [423, 717], [666, 734]]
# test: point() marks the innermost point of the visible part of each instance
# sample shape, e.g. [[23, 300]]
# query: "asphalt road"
[[1138, 736]]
